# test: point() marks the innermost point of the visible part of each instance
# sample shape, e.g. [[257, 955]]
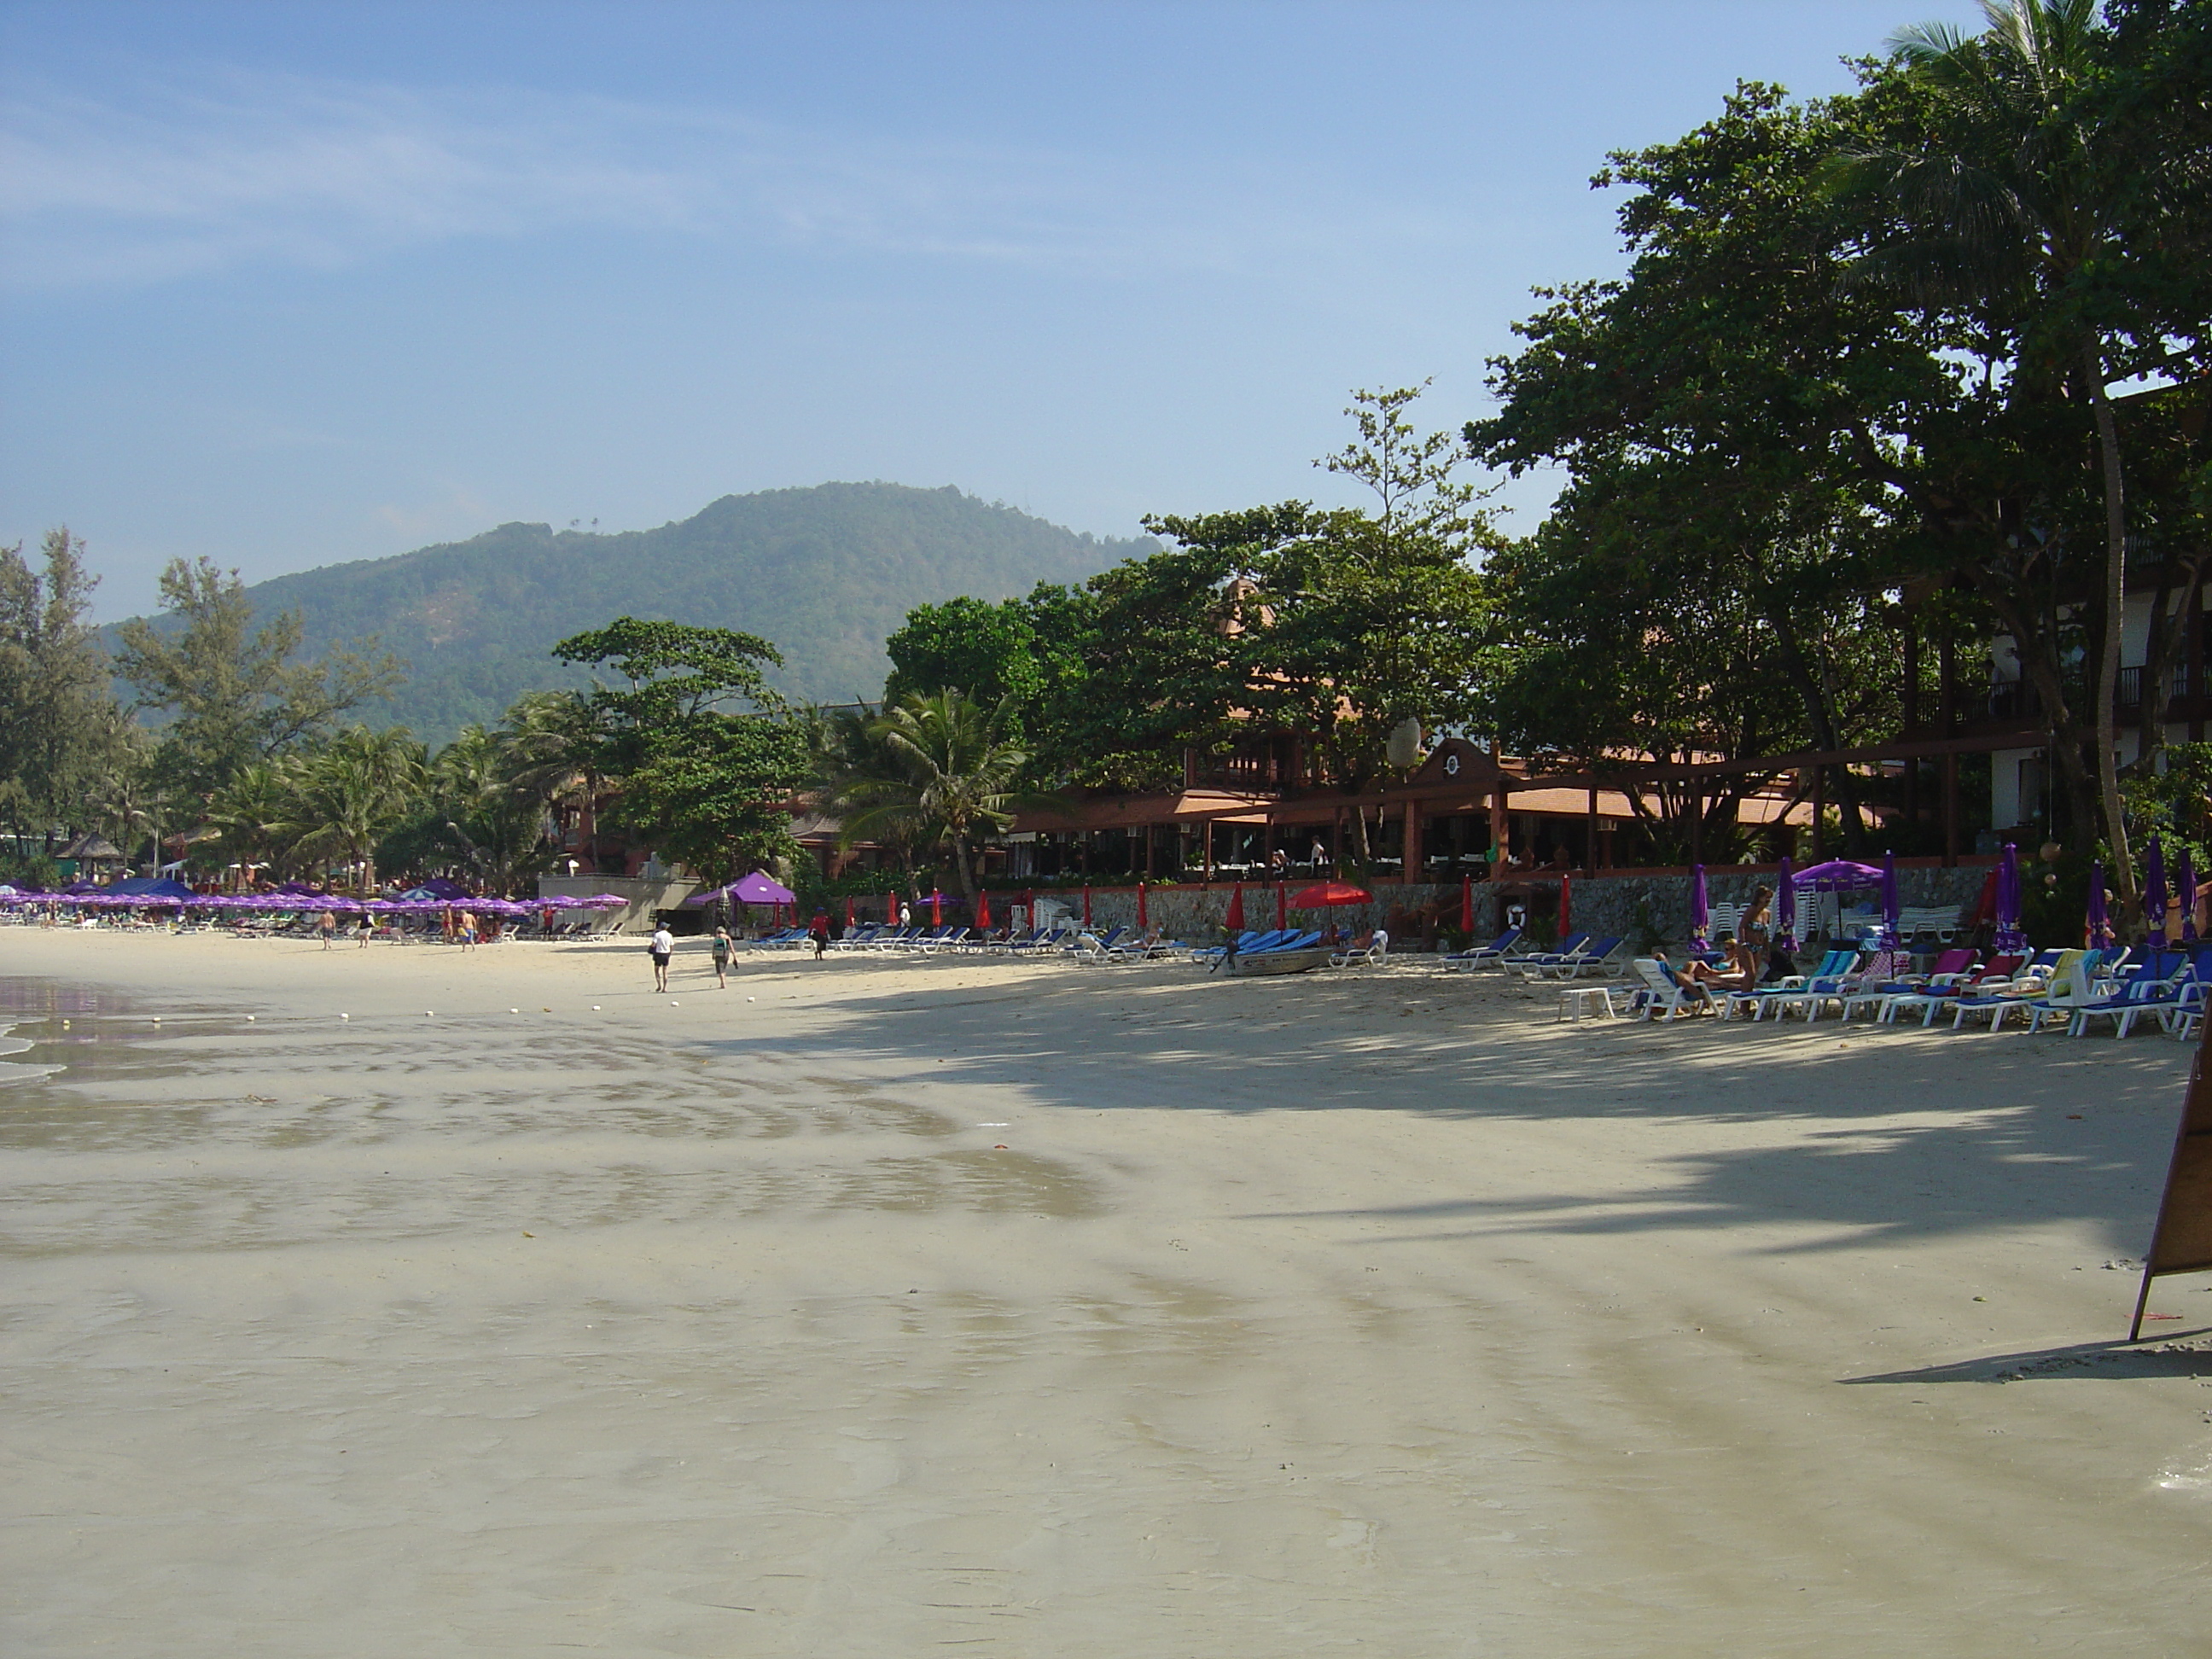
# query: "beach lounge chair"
[[1606, 957], [2158, 998], [1760, 998], [1660, 993], [1533, 963], [2074, 986], [1883, 977], [1820, 988], [1369, 955], [1485, 956], [1952, 970], [1999, 1004]]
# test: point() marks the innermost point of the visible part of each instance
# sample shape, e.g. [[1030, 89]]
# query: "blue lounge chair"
[[1536, 962], [1486, 956]]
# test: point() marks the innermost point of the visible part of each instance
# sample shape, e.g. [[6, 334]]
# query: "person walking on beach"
[[365, 928], [663, 942], [468, 929], [819, 932], [722, 958], [327, 925]]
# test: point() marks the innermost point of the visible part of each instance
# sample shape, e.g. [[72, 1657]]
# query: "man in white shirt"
[[663, 942]]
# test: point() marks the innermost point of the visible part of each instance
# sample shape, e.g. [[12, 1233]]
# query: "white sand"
[[1295, 1315]]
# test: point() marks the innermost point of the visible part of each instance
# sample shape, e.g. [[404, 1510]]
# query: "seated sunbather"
[[1741, 972]]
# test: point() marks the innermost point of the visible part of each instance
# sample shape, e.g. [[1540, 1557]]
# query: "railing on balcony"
[[2020, 699]]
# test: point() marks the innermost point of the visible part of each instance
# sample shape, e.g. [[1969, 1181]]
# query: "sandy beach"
[[878, 1308]]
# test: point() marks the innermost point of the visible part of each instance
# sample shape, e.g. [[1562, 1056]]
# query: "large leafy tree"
[[234, 691], [709, 756], [2005, 193], [63, 729], [1710, 583]]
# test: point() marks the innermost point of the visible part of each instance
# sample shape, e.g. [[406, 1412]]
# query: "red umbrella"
[[1086, 904], [1324, 895], [848, 914], [890, 907], [1143, 921], [1282, 904], [1467, 905], [983, 911], [1234, 921], [1566, 899], [936, 908]]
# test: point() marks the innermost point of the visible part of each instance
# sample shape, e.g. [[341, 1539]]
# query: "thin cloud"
[[241, 170]]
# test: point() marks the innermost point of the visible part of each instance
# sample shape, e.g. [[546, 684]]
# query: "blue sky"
[[290, 283]]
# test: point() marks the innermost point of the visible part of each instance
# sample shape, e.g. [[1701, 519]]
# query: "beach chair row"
[[1571, 958], [2073, 990]]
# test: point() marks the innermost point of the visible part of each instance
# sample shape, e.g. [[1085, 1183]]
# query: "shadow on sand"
[[2185, 1354], [1898, 1135]]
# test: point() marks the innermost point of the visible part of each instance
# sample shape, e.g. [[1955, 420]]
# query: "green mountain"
[[825, 573]]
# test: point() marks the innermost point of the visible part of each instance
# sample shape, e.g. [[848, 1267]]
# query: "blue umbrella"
[[1785, 902], [1891, 914], [2009, 937], [2154, 895], [2101, 923], [1700, 913], [2184, 895]]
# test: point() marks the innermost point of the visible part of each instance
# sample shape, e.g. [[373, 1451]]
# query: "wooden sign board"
[[2182, 1242]]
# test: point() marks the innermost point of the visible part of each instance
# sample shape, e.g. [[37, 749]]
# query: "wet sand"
[[1041, 1311]]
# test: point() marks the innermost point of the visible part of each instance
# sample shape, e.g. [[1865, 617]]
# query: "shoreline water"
[[1067, 1311]]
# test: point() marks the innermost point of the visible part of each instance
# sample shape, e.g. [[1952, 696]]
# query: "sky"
[[287, 284]]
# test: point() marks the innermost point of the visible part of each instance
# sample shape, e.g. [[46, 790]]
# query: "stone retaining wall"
[[1602, 903]]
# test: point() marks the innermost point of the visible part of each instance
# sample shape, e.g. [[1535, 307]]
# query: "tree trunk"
[[2116, 590]]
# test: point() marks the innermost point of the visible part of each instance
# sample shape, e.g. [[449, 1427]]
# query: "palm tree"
[[934, 768], [254, 814], [556, 747], [2013, 204], [354, 790], [491, 808]]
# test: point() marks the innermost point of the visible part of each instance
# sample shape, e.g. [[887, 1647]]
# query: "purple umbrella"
[[2184, 895], [1785, 902], [1701, 914], [2009, 938], [1891, 914], [2100, 924], [2154, 895]]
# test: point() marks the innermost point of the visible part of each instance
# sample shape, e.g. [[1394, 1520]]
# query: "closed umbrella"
[[936, 908], [848, 912], [1467, 905], [2101, 923], [2184, 895], [1233, 919], [1701, 915], [1086, 904], [1282, 905], [983, 911], [1566, 902], [2154, 899], [2007, 938], [1143, 919], [890, 907]]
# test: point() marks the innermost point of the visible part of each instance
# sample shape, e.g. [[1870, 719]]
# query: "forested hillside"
[[826, 573]]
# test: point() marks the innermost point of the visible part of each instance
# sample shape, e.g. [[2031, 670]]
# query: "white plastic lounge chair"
[[1660, 994]]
